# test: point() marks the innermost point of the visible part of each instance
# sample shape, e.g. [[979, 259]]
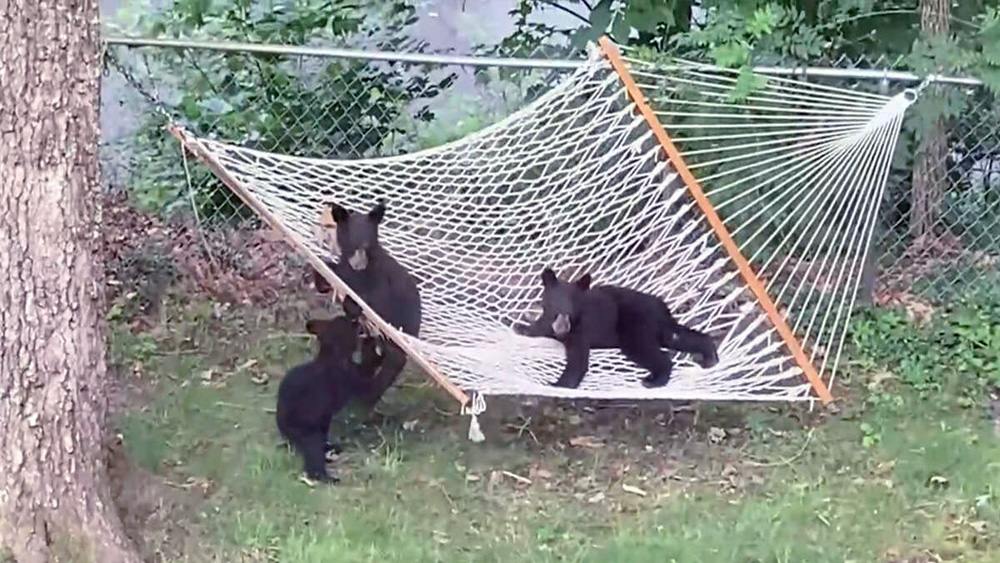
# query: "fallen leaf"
[[517, 477], [879, 377], [716, 435], [543, 474], [938, 481], [633, 490], [596, 498], [495, 477], [884, 467], [586, 442], [409, 425]]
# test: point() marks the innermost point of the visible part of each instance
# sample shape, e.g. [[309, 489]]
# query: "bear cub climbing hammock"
[[749, 213]]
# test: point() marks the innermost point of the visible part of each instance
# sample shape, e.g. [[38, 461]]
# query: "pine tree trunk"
[[55, 502], [929, 171]]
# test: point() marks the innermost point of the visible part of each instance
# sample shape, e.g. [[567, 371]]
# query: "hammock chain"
[[153, 98]]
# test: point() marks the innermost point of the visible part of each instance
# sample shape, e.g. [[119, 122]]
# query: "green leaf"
[[190, 107], [621, 28], [731, 54], [600, 17], [215, 105], [990, 78], [763, 22], [747, 82], [646, 15]]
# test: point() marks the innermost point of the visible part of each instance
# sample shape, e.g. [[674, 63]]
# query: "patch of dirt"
[[145, 256], [154, 514], [918, 310], [928, 256]]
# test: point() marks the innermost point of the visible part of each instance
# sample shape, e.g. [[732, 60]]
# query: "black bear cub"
[[381, 281], [311, 394], [586, 318]]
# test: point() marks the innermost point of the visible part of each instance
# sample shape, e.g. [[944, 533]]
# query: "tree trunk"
[[55, 502], [929, 170]]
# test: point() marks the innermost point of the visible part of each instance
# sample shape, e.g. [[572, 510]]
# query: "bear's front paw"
[[567, 383], [708, 361], [651, 382], [351, 309], [521, 329], [313, 480], [325, 478]]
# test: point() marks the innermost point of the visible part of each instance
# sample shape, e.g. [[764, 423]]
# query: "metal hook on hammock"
[[912, 94]]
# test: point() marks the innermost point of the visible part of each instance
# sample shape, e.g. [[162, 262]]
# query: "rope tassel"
[[475, 407]]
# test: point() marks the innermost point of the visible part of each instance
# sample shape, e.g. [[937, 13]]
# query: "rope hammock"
[[750, 216]]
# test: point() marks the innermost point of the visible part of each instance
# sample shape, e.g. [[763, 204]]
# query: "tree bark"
[[929, 171], [55, 501]]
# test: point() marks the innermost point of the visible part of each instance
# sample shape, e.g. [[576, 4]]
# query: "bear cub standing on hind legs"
[[585, 318], [385, 284], [311, 394]]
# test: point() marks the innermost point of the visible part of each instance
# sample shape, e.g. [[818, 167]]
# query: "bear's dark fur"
[[311, 394], [585, 318], [368, 269]]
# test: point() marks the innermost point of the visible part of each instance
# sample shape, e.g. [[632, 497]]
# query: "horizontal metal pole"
[[868, 74], [336, 53], [565, 64]]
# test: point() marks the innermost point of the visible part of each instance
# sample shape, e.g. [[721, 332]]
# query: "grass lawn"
[[893, 476]]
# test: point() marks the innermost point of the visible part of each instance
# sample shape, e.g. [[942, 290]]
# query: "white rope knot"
[[475, 407]]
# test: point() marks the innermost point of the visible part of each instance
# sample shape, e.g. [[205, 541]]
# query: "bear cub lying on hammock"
[[585, 318], [311, 394], [385, 284]]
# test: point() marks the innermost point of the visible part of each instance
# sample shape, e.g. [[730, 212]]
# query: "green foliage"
[[959, 346], [986, 63], [976, 53], [305, 106], [740, 33], [736, 36]]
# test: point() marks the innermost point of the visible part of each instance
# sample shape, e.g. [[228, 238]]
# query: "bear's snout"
[[359, 260], [561, 325]]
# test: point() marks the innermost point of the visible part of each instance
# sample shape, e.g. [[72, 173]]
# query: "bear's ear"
[[339, 213], [549, 278], [377, 212], [583, 282], [318, 326], [312, 326]]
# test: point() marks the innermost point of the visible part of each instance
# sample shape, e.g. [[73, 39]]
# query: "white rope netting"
[[577, 181]]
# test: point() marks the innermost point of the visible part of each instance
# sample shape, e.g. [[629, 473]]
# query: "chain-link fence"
[[339, 104]]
